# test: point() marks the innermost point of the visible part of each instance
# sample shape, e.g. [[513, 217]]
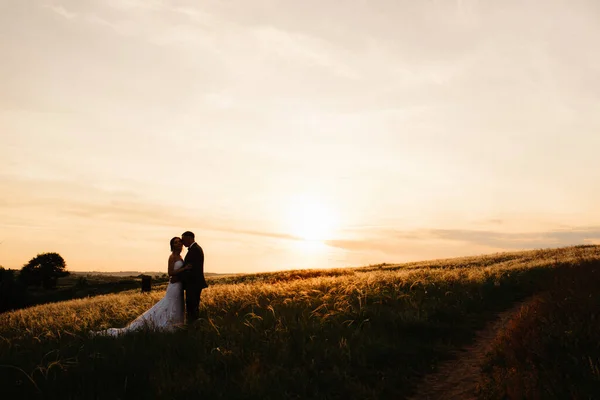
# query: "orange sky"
[[381, 131]]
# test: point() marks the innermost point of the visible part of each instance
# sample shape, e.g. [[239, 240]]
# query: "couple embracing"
[[187, 277]]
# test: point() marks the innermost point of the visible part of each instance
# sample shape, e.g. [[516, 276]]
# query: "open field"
[[550, 349], [360, 333]]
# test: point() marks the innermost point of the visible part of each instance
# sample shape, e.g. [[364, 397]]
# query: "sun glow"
[[310, 220]]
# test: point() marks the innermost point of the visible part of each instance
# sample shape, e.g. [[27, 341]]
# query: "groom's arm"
[[175, 275], [195, 258]]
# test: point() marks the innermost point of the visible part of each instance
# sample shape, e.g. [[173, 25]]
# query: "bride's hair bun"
[[172, 242]]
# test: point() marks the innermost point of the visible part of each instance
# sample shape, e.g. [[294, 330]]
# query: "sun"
[[310, 220]]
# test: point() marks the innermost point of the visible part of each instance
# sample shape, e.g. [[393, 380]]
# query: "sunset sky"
[[296, 134]]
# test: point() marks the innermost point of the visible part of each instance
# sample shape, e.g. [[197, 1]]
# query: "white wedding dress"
[[166, 315]]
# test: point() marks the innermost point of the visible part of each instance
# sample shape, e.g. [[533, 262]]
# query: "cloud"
[[135, 4], [198, 16], [62, 198], [145, 19], [302, 47], [150, 214], [507, 240], [274, 235], [365, 245], [393, 241], [62, 11]]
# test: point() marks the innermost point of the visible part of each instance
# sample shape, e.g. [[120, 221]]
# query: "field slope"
[[356, 333]]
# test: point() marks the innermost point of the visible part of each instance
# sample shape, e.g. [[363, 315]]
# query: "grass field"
[[550, 350], [360, 333]]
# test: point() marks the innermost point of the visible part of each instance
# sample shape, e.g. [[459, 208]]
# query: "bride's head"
[[176, 244]]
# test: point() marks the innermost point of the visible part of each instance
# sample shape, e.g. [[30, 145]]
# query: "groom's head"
[[187, 238]]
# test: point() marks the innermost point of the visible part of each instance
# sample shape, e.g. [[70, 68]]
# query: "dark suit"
[[193, 280]]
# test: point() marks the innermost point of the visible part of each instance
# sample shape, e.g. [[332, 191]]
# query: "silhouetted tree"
[[43, 270]]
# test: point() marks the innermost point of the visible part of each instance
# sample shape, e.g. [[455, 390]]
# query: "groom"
[[193, 279]]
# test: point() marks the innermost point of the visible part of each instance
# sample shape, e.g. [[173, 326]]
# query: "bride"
[[167, 314]]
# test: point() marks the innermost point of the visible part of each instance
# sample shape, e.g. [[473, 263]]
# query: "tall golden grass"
[[550, 349]]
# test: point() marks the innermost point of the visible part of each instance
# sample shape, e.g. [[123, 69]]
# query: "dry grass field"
[[356, 333]]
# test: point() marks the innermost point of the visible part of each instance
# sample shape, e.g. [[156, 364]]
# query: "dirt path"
[[458, 378]]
